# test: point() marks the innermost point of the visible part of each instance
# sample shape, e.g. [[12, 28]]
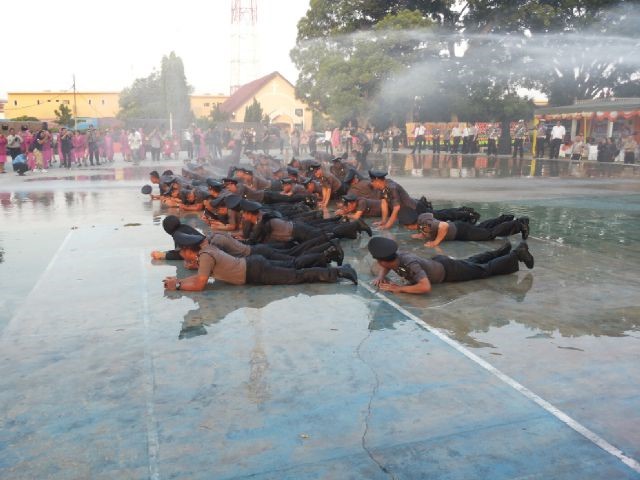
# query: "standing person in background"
[[435, 139], [418, 134], [447, 139], [492, 142], [27, 139], [155, 143], [107, 145], [187, 140], [629, 145], [134, 144], [473, 133], [3, 150], [142, 150], [304, 142], [557, 137], [541, 139], [335, 139], [14, 143], [92, 144], [78, 152], [125, 148], [312, 143], [456, 133], [328, 145], [66, 146], [295, 142], [518, 139], [38, 145]]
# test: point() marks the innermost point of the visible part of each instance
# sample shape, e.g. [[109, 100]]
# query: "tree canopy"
[[253, 112], [63, 116], [159, 95], [383, 61]]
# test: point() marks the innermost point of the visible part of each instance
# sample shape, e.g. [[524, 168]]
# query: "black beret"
[[229, 180], [183, 239], [146, 189], [351, 174], [306, 181], [377, 174], [350, 197], [232, 201], [337, 159], [170, 224], [313, 166], [382, 248], [407, 216], [286, 180], [229, 201], [250, 206], [293, 171], [215, 184], [246, 170]]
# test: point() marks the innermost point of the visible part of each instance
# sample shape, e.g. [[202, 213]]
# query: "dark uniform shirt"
[[364, 189], [369, 207], [397, 195], [281, 230], [429, 227], [259, 183], [329, 180], [413, 269], [228, 244], [339, 170], [215, 263]]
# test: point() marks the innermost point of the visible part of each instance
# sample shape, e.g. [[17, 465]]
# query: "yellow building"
[[201, 105], [277, 98], [274, 92], [41, 105]]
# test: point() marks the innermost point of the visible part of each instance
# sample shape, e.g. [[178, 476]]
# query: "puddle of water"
[[481, 166]]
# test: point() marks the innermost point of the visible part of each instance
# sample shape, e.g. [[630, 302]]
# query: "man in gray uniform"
[[254, 269], [359, 187], [421, 273], [436, 231], [355, 207], [310, 254]]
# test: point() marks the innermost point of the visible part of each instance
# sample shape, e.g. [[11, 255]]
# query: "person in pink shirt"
[[3, 151], [78, 148], [47, 152], [107, 146], [27, 139], [125, 149], [336, 139]]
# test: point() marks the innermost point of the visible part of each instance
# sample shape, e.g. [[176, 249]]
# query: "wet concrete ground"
[[106, 376]]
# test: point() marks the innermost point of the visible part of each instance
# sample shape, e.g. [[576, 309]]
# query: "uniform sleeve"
[[362, 205], [206, 264]]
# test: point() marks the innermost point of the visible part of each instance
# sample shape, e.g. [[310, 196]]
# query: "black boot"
[[334, 253], [522, 251], [347, 272], [524, 227], [363, 227]]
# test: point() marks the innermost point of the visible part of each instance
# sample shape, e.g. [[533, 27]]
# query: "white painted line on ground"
[[26, 301], [563, 417], [153, 444]]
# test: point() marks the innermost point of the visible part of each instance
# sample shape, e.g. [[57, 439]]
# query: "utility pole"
[[75, 105]]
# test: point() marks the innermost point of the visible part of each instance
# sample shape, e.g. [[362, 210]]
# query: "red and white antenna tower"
[[244, 59]]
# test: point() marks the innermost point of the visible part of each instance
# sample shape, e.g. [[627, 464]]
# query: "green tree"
[[342, 76], [159, 95], [176, 90], [25, 118], [253, 112], [63, 116], [217, 115]]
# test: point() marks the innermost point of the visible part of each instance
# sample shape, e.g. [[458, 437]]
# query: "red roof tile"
[[246, 92]]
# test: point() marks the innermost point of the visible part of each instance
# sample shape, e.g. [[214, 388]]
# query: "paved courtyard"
[[531, 375]]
